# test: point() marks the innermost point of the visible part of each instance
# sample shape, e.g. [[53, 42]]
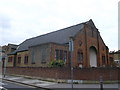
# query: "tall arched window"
[[80, 57], [103, 59]]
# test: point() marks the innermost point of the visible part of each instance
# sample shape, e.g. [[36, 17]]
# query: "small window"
[[80, 57], [65, 56], [33, 57], [26, 59], [61, 54], [9, 59], [43, 56], [57, 54], [19, 59], [103, 60]]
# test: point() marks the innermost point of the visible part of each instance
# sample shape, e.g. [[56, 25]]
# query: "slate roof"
[[60, 36]]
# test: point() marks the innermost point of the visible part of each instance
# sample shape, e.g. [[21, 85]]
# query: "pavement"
[[50, 85]]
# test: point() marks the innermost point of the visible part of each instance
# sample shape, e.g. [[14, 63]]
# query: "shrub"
[[57, 63]]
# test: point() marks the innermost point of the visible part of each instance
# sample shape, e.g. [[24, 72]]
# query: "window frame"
[[61, 55], [33, 58], [26, 59], [43, 57], [103, 60], [56, 54], [80, 57], [19, 59], [10, 59], [65, 55]]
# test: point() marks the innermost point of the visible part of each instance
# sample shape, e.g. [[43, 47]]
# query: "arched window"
[[103, 59], [80, 57]]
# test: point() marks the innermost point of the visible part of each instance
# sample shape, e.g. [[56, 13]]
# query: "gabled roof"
[[60, 36], [13, 46]]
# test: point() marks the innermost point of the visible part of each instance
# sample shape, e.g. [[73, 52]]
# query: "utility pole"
[[71, 49]]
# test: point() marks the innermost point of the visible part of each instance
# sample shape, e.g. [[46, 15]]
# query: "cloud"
[[29, 18], [4, 22]]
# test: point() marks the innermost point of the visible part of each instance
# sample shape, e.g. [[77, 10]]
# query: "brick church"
[[89, 48]]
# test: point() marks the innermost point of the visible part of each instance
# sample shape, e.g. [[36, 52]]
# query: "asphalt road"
[[16, 86]]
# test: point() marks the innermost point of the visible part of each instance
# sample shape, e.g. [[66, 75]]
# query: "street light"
[[71, 49]]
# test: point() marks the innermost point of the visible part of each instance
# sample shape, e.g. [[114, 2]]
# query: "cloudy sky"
[[23, 19]]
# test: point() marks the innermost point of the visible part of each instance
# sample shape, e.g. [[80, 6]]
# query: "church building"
[[89, 48]]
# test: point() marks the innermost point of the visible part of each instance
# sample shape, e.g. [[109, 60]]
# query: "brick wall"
[[64, 73]]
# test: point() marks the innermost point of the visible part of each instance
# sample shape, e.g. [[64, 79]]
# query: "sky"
[[23, 19]]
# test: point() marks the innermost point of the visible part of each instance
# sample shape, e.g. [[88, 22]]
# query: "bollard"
[[101, 83]]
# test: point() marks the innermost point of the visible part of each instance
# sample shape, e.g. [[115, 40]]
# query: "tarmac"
[[50, 85]]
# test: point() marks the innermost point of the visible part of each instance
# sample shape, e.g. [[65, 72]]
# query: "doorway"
[[93, 56]]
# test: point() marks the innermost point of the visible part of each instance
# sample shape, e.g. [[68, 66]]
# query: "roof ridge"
[[12, 44]]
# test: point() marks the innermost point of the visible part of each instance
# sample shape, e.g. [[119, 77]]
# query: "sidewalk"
[[46, 84]]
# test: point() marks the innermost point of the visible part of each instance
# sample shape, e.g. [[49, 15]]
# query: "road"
[[17, 86]]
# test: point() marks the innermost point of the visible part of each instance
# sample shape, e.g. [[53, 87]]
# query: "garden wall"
[[65, 73]]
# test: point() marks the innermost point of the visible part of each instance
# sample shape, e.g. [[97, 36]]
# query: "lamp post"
[[71, 49]]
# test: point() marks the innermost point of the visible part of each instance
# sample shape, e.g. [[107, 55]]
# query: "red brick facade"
[[83, 41]]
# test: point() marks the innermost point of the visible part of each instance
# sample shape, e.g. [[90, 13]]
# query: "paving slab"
[[46, 84]]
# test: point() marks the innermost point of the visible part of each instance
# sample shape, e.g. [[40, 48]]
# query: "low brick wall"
[[64, 73]]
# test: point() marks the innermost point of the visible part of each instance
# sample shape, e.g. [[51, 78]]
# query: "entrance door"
[[93, 57]]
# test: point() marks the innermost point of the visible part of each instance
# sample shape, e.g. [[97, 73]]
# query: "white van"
[[117, 62]]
